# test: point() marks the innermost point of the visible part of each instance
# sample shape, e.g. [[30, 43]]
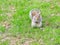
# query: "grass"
[[15, 21]]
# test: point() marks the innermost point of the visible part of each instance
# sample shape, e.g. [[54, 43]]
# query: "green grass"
[[20, 23], [4, 43]]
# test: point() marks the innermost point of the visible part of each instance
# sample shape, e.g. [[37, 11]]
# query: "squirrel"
[[36, 18]]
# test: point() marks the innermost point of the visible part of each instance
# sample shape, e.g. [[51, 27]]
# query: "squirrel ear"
[[38, 12]]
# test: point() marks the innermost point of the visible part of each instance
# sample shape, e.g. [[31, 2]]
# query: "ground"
[[15, 24]]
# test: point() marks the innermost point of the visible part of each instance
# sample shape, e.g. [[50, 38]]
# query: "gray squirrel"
[[36, 18]]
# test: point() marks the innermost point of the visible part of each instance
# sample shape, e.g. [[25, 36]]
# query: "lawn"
[[15, 24]]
